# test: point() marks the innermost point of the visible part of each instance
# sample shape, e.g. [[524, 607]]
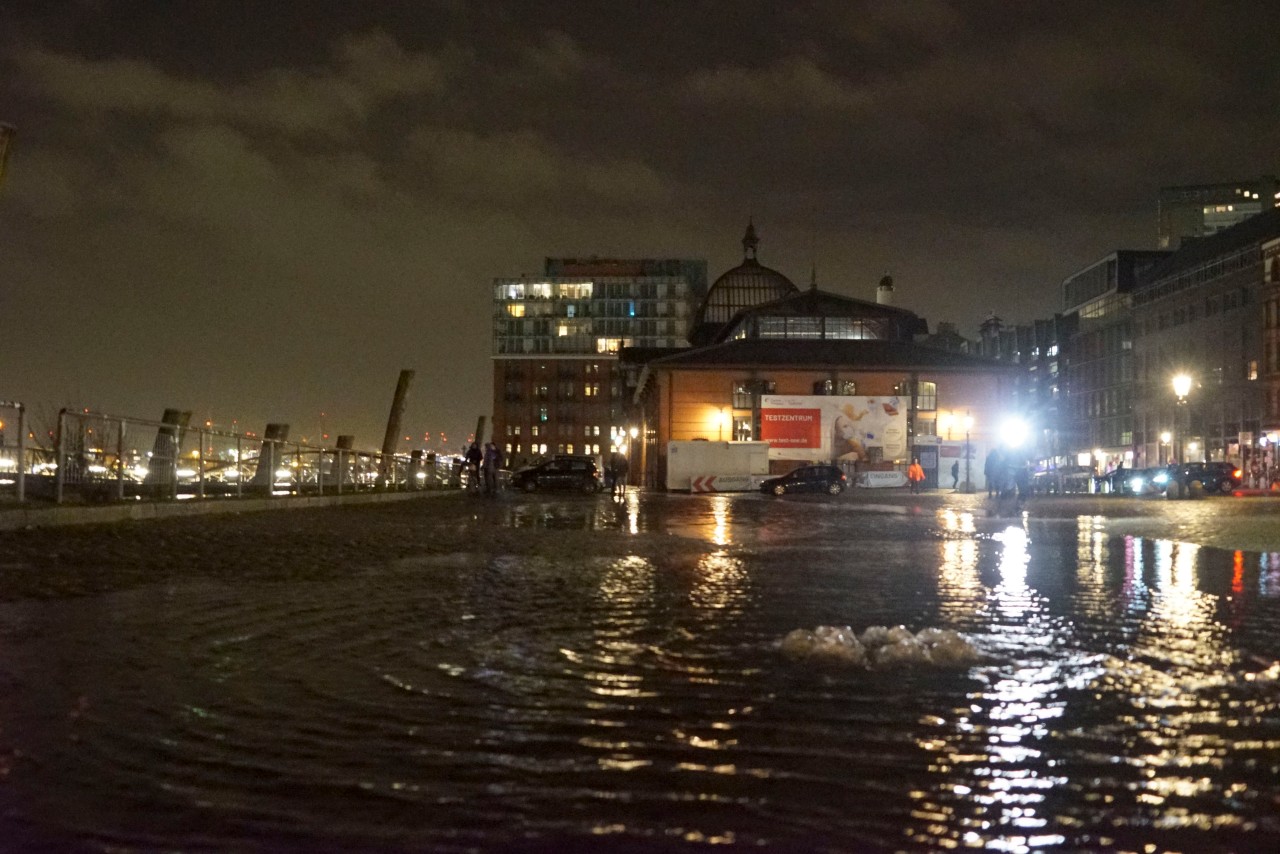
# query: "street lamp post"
[[1166, 439], [1181, 388], [631, 453], [968, 452]]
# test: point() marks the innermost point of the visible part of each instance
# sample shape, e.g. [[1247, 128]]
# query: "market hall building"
[[766, 344]]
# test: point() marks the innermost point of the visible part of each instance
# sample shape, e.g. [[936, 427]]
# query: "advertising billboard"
[[822, 427]]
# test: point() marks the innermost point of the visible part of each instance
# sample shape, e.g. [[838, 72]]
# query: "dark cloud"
[[264, 211]]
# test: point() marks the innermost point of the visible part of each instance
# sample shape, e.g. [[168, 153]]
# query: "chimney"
[[884, 293]]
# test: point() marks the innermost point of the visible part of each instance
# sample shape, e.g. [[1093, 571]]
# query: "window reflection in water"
[[1179, 662], [1269, 574]]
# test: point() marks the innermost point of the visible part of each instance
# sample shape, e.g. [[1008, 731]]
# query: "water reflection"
[[539, 687], [993, 763], [720, 509], [721, 584], [959, 585]]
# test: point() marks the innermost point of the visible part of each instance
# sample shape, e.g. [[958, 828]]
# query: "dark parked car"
[[1141, 481], [576, 474], [1212, 477], [828, 479]]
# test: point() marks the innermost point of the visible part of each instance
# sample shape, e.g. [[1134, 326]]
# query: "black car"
[[1224, 478], [576, 474], [1138, 482], [828, 479]]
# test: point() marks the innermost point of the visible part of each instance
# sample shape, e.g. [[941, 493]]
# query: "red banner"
[[791, 428]]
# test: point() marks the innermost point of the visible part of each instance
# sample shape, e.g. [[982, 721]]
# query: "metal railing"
[[98, 457], [13, 457]]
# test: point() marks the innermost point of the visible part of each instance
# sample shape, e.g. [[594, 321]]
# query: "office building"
[[1200, 210], [556, 339]]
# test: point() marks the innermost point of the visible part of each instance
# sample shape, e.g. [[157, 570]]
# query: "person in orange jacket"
[[915, 475]]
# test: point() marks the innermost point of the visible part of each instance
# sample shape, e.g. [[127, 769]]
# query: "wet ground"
[[579, 673]]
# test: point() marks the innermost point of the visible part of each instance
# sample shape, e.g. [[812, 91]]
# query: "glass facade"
[[580, 316]]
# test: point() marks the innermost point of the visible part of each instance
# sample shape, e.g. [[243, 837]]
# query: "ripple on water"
[[474, 699]]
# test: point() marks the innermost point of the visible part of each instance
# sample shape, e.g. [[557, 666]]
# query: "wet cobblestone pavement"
[[582, 673]]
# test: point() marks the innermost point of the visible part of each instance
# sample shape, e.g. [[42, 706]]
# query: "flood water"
[[569, 697]]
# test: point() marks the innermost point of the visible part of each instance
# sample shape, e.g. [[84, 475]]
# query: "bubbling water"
[[879, 647]]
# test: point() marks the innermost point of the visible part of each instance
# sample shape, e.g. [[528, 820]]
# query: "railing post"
[[320, 472], [174, 450], [59, 476], [120, 460], [22, 454], [239, 469], [200, 434]]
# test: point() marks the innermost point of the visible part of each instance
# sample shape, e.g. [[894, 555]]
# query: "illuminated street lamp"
[[968, 452]]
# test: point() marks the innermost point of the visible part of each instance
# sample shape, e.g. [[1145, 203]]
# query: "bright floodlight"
[[1182, 385], [1166, 437], [1013, 432]]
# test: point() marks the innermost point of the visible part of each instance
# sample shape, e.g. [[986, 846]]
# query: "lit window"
[[516, 309]]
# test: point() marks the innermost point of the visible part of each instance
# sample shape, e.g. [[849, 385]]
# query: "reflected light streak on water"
[[721, 584], [958, 579], [720, 534]]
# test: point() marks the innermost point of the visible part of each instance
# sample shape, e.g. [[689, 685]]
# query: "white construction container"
[[698, 466]]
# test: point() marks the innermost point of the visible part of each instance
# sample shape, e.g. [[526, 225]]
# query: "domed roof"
[[746, 285]]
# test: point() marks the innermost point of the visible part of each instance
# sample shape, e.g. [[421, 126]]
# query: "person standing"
[[492, 462], [473, 458], [620, 465], [915, 476], [955, 475], [991, 471], [1023, 481]]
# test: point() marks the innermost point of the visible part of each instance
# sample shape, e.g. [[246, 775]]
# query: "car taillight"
[[1236, 473], [842, 477]]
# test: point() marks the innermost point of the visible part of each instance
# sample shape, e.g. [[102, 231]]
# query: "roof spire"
[[813, 277], [750, 241]]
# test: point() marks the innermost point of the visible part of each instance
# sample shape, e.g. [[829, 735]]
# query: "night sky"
[[262, 211]]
